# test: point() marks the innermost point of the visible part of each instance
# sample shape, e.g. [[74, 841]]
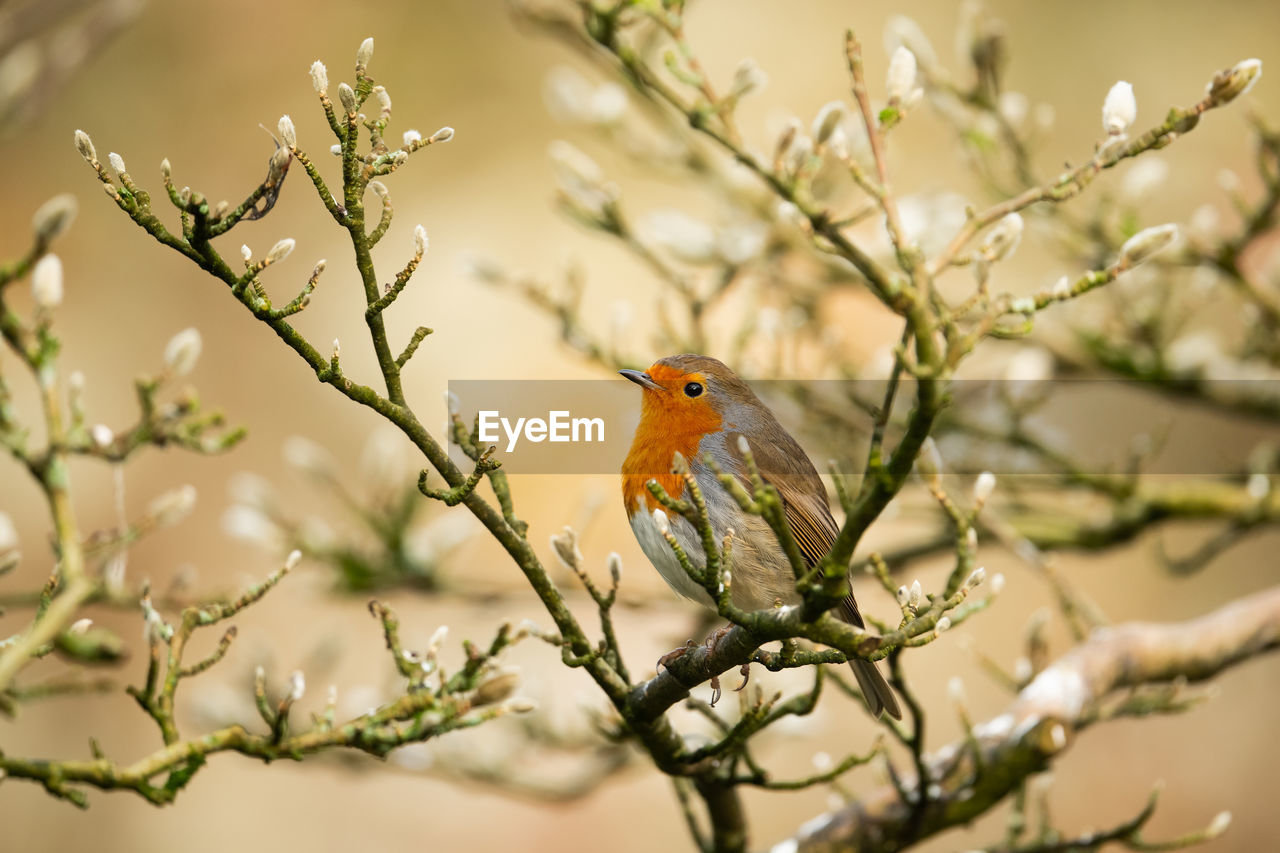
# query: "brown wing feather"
[[784, 465]]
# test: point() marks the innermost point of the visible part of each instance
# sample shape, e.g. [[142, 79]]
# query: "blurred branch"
[[1043, 720]]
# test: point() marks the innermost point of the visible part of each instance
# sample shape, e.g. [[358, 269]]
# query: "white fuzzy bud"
[[337, 349], [943, 624], [281, 250], [335, 150], [102, 435], [46, 282], [53, 217], [347, 96], [827, 121], [412, 137], [901, 78], [1146, 243], [288, 133], [379, 189], [437, 639], [1119, 109], [1218, 825], [419, 240], [444, 134], [916, 595], [1235, 81], [384, 101], [975, 578], [182, 352], [365, 54], [660, 519], [308, 457], [1258, 486], [1003, 238], [85, 146], [8, 533], [80, 626], [747, 77], [173, 506], [246, 253], [971, 539], [1061, 288], [297, 686], [983, 487], [320, 78], [904, 596], [117, 163], [291, 561], [929, 462]]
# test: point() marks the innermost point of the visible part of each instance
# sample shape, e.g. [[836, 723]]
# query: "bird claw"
[[745, 672], [711, 643], [674, 655]]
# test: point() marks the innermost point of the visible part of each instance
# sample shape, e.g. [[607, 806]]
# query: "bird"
[[697, 406]]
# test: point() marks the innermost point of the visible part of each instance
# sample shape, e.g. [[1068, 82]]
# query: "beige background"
[[191, 82]]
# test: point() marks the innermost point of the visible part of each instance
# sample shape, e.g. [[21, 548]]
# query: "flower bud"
[[281, 250], [54, 216], [384, 101], [903, 596], [901, 78], [85, 146], [747, 77], [320, 78], [8, 534], [102, 435], [1003, 238], [1146, 243], [660, 519], [615, 567], [287, 132], [117, 163], [975, 578], [173, 506], [46, 282], [943, 624], [1219, 825], [929, 462], [1230, 84], [444, 134], [379, 189], [827, 121], [1119, 109], [182, 352], [412, 137], [983, 487], [419, 240], [916, 595], [80, 626], [348, 98], [365, 53], [297, 686]]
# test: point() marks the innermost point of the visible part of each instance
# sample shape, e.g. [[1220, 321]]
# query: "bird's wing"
[[785, 466]]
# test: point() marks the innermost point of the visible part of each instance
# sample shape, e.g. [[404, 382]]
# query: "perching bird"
[[696, 405]]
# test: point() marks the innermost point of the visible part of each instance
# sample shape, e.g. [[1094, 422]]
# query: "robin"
[[696, 405]]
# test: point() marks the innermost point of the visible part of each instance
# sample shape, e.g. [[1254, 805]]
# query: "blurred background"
[[193, 81]]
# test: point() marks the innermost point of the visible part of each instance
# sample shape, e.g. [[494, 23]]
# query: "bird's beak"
[[642, 379]]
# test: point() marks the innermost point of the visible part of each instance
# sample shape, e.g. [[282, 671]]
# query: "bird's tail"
[[875, 690]]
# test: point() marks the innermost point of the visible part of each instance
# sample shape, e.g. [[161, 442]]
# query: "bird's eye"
[[693, 389]]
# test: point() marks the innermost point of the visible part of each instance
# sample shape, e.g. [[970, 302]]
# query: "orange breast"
[[668, 423]]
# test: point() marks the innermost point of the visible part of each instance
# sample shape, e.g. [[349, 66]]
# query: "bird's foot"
[[745, 670], [675, 655]]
